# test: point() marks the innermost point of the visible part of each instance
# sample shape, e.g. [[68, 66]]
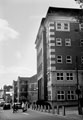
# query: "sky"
[[19, 24]]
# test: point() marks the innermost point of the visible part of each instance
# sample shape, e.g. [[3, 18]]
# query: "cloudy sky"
[[19, 24]]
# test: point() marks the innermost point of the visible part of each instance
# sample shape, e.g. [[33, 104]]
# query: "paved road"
[[29, 115]]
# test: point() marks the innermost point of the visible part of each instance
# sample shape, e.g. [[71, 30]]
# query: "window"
[[59, 76], [61, 26], [65, 26], [58, 42], [69, 76], [68, 59], [81, 42], [60, 95], [81, 59], [81, 26], [59, 59], [70, 95], [67, 42], [58, 25]]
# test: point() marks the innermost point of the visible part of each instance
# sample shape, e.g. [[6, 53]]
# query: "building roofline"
[[42, 22], [73, 11]]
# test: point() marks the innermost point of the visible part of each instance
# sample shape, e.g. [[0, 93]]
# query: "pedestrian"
[[23, 105]]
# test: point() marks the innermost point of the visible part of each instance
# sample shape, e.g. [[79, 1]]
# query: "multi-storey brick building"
[[14, 96], [27, 89], [59, 42], [7, 93]]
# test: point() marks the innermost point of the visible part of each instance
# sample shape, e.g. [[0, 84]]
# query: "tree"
[[80, 15], [80, 2]]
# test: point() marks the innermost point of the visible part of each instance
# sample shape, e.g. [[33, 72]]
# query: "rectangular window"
[[68, 59], [59, 76], [69, 76], [60, 95], [81, 26], [66, 26], [81, 59], [67, 42], [81, 42], [70, 95], [59, 59], [61, 26], [58, 42]]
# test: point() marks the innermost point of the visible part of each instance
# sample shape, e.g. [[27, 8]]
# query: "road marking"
[[25, 113]]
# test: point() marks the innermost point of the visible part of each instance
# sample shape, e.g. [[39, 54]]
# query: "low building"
[[14, 96], [7, 96], [33, 89], [27, 88]]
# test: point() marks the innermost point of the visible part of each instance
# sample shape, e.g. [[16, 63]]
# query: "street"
[[29, 115]]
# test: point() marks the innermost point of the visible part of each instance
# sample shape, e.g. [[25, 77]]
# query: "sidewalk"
[[70, 115], [74, 115]]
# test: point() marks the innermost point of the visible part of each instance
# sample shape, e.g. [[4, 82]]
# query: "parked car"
[[1, 104], [6, 106]]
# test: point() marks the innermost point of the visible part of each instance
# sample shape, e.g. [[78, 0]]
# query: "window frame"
[[61, 95], [81, 27], [81, 59], [62, 26], [59, 58], [81, 42], [58, 42], [69, 59], [60, 76], [68, 77], [70, 95], [67, 43]]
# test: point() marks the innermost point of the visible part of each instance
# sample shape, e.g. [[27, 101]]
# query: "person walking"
[[23, 105]]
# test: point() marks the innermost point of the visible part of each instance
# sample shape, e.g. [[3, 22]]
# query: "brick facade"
[[62, 37]]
